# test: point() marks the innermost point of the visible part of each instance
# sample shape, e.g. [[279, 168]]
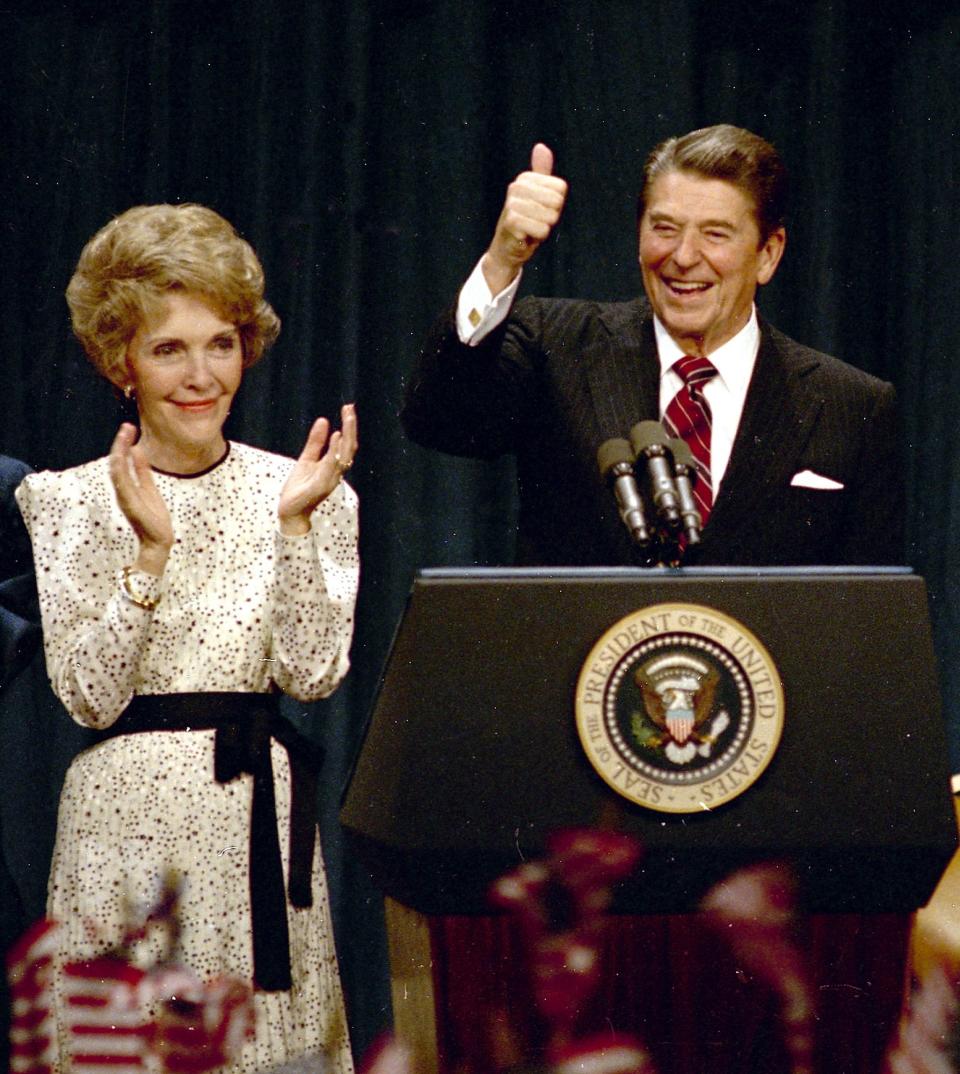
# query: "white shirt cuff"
[[478, 310]]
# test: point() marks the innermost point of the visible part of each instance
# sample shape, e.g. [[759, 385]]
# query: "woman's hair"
[[128, 267]]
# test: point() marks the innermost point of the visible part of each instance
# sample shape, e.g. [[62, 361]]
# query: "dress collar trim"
[[199, 473]]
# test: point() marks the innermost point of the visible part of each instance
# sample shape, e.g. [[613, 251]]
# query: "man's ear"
[[770, 253]]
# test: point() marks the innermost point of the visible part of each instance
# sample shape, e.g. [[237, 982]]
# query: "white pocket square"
[[807, 479]]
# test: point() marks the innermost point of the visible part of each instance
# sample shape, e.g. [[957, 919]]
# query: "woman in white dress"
[[184, 581]]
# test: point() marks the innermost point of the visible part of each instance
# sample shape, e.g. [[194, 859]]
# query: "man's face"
[[701, 258]]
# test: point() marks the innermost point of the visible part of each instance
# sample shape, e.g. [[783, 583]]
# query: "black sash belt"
[[244, 725]]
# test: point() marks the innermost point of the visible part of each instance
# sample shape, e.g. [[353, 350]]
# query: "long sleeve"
[[92, 634], [874, 526], [476, 401], [241, 608], [478, 311], [313, 600]]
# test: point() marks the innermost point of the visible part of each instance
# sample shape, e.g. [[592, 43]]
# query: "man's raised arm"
[[530, 211]]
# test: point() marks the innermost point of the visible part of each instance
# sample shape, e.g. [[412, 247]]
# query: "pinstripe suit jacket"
[[561, 376]]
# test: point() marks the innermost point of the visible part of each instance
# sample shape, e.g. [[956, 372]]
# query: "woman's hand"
[[317, 472], [140, 501]]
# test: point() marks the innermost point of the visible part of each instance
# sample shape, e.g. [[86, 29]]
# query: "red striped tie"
[[688, 417]]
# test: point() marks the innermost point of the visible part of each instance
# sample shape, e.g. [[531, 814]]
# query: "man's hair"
[[731, 153], [139, 257]]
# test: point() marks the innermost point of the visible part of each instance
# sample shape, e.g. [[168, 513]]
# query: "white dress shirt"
[[726, 393], [479, 310]]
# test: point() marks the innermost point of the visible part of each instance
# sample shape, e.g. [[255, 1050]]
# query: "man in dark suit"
[[803, 468]]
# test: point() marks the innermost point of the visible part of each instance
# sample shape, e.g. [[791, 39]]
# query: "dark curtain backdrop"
[[364, 148]]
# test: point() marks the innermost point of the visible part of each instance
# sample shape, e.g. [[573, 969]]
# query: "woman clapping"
[[185, 580]]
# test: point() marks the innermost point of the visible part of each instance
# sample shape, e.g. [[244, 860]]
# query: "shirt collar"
[[734, 361]]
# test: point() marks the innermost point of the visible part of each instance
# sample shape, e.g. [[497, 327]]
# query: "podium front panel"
[[472, 756]]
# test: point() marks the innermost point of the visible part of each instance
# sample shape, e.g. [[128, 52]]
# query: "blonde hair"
[[126, 269]]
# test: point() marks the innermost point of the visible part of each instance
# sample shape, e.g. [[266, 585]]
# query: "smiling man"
[[796, 451]]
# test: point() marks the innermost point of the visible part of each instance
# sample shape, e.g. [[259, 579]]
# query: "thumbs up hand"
[[530, 211]]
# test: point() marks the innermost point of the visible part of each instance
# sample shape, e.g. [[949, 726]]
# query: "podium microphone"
[[685, 475], [649, 440], [615, 460]]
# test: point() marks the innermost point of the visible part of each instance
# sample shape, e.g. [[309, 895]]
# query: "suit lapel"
[[623, 374], [778, 417]]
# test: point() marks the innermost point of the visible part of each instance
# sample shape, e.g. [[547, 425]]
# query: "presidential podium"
[[478, 746]]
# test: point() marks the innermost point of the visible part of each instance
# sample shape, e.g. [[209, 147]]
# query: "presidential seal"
[[679, 708]]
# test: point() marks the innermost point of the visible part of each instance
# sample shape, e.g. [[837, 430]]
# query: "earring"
[[128, 391]]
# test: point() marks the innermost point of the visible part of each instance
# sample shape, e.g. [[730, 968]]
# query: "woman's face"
[[185, 363]]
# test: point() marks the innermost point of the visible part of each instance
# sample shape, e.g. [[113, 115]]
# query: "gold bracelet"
[[147, 603]]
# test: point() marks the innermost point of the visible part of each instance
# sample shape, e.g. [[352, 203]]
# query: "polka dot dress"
[[241, 607]]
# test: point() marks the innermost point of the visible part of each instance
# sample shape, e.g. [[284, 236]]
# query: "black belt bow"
[[244, 725]]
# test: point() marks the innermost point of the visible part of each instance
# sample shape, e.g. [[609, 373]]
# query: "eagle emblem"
[[678, 692], [679, 707]]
